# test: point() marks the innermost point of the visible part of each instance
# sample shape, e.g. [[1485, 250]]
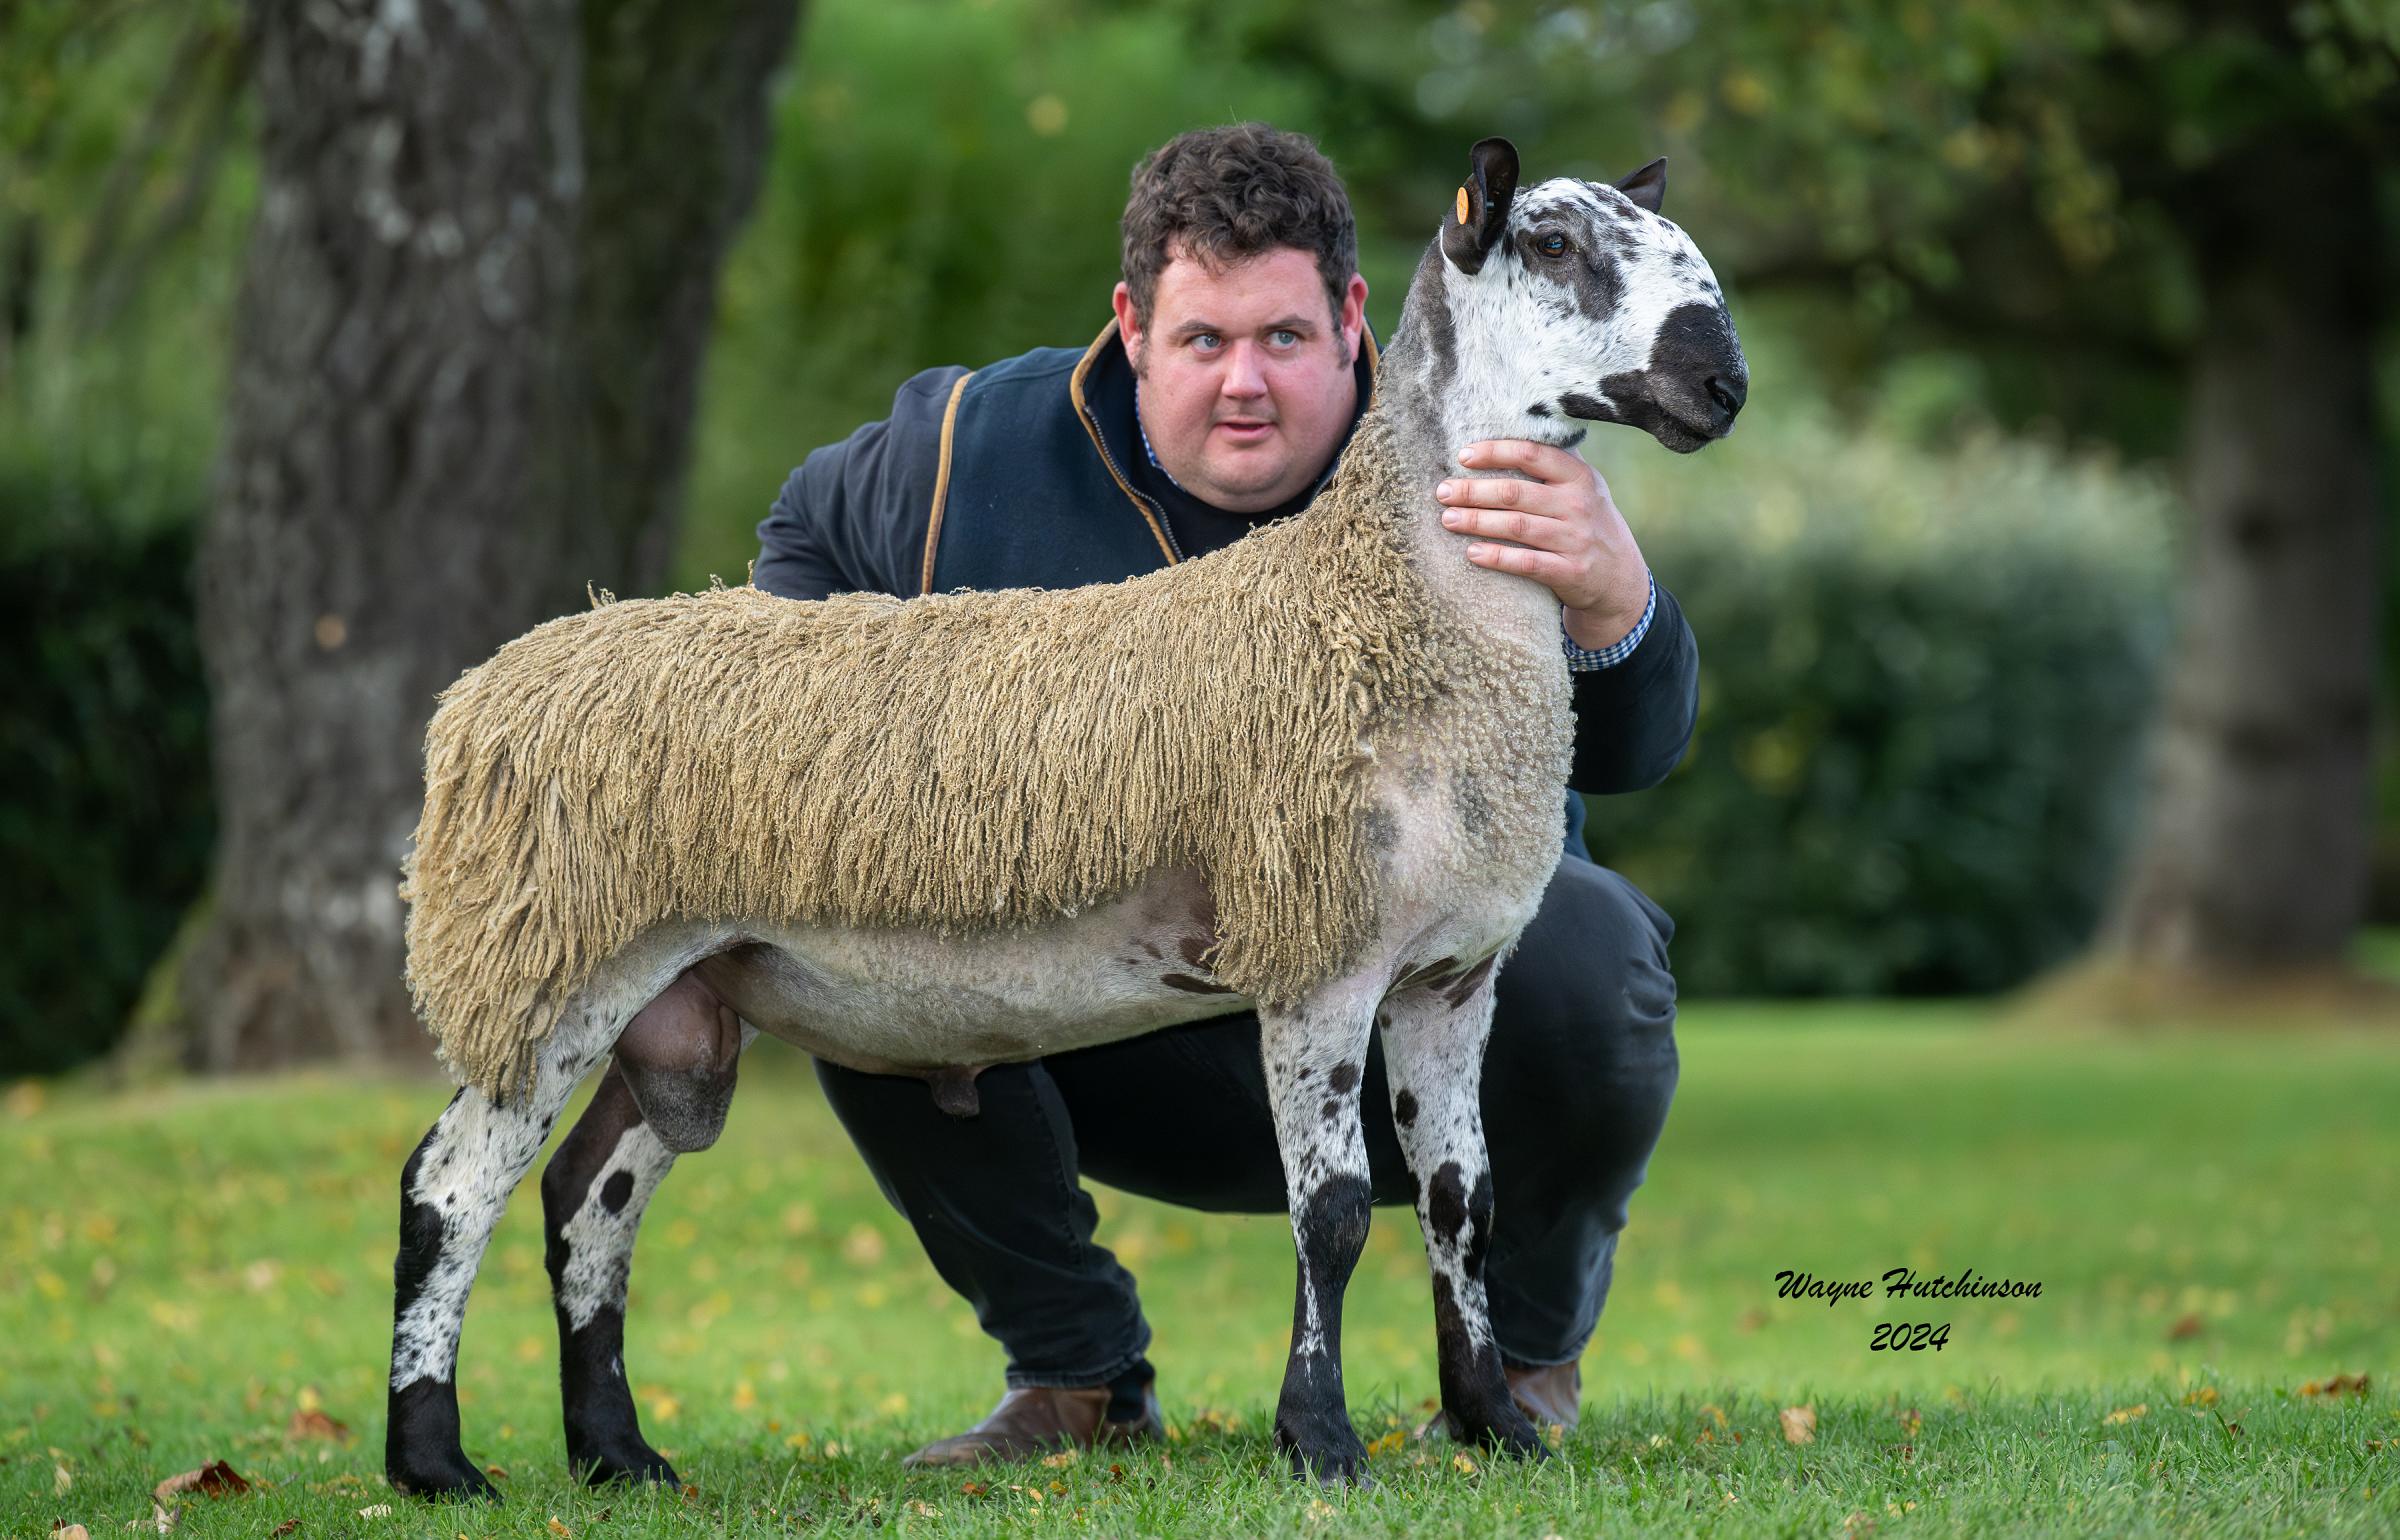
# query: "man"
[[1218, 399]]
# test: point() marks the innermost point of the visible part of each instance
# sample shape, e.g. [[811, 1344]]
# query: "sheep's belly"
[[902, 1000]]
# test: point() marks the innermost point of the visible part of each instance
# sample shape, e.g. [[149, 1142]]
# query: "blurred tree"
[[478, 291], [2108, 202]]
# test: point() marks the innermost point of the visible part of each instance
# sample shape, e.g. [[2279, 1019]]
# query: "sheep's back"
[[955, 762]]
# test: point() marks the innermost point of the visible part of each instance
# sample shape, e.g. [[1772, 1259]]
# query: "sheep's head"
[[1574, 299]]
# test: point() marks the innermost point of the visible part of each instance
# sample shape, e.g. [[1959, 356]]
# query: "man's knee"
[[1591, 977]]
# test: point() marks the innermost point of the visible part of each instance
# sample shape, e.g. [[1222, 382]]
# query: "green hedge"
[[1926, 682], [105, 822]]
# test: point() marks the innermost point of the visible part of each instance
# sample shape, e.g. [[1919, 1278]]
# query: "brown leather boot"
[[1551, 1396], [1041, 1420]]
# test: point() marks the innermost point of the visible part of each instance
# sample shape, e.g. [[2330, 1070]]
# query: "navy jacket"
[[1032, 472]]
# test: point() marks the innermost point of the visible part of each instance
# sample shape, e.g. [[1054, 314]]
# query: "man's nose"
[[1244, 379]]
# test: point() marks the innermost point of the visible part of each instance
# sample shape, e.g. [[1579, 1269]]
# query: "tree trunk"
[[2255, 855], [408, 451], [676, 131]]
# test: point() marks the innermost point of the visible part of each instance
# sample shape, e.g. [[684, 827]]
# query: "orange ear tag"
[[1462, 205]]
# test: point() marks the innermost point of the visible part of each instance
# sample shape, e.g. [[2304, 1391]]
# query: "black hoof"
[[638, 1464], [1325, 1449], [450, 1476], [1510, 1432], [421, 1453]]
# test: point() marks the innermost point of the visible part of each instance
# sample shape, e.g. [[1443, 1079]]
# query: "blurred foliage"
[[1924, 679], [105, 821], [127, 176]]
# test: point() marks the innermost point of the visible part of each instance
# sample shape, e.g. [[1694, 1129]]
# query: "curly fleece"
[[956, 762]]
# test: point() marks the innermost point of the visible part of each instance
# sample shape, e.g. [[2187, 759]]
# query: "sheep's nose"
[[1728, 395]]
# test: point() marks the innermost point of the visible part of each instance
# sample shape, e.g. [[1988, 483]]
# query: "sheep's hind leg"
[[1314, 1059], [452, 1192], [593, 1194], [1433, 1042], [666, 1094]]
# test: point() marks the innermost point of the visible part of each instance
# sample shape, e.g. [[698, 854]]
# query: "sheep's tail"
[[490, 975]]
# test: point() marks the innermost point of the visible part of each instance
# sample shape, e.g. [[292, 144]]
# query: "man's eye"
[[1206, 342], [1285, 338], [1551, 245]]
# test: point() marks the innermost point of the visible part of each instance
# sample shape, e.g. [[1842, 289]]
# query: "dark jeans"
[[1575, 1090]]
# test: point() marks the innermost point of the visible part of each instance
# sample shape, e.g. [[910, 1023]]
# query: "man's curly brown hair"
[[1225, 195]]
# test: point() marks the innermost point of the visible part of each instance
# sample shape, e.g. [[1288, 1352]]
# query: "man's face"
[[1245, 375]]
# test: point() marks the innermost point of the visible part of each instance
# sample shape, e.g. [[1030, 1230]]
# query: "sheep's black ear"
[[1481, 211], [1648, 186]]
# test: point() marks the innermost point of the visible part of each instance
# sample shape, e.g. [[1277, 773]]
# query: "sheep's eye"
[[1552, 245]]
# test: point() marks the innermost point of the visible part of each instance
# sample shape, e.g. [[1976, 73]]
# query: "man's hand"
[[1564, 529]]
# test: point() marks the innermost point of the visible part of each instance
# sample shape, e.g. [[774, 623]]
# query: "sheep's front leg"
[[1433, 1042], [1315, 1057]]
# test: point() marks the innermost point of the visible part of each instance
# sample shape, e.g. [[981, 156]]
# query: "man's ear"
[[1481, 211], [1353, 320], [1129, 329]]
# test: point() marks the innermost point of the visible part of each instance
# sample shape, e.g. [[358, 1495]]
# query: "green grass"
[[2209, 1216]]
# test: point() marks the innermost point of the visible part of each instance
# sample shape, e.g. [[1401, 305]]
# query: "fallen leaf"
[[376, 1511], [311, 1423], [2185, 1326], [282, 1529], [973, 1488], [61, 1478], [1464, 1462], [1062, 1459], [923, 1509], [2339, 1385], [2126, 1414], [559, 1529], [1799, 1424], [2205, 1395], [215, 1479], [1911, 1422]]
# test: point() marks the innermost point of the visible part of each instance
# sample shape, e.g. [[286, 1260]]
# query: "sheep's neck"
[[1427, 431]]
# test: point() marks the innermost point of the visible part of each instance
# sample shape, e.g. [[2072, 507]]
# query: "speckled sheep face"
[[1583, 301]]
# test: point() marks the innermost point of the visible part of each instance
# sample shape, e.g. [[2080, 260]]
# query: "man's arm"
[[853, 518], [1634, 715]]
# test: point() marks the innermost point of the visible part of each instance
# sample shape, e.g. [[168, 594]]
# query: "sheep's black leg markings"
[[1325, 1176], [593, 1194], [1434, 1051], [452, 1192]]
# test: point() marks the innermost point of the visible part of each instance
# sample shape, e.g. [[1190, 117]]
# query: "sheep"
[[1315, 774]]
